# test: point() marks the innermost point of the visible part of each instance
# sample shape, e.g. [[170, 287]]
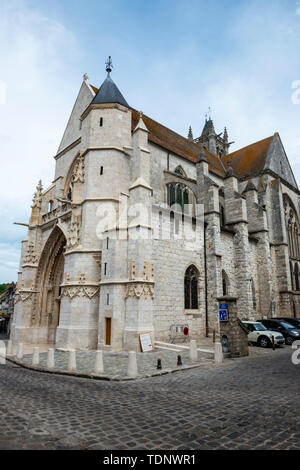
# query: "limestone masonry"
[[143, 230]]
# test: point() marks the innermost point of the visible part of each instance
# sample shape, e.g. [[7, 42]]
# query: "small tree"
[[2, 288]]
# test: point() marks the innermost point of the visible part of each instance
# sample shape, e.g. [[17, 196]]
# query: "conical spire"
[[225, 136], [208, 127], [190, 134], [109, 92]]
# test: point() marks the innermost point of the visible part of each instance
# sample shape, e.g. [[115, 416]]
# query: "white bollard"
[[20, 352], [36, 356], [193, 351], [132, 365], [218, 353], [2, 353], [9, 348], [72, 361], [50, 359], [99, 367]]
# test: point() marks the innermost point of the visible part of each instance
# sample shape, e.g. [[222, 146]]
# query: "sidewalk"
[[115, 363]]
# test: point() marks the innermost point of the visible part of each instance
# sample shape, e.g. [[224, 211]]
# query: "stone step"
[[181, 347]]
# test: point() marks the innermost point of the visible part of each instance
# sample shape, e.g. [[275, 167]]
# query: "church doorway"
[[49, 281]]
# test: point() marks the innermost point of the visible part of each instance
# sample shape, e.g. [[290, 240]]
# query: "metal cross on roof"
[[109, 65]]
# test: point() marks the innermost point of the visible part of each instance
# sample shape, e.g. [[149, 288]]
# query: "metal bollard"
[[132, 371], [179, 361], [159, 366], [36, 356], [193, 351], [72, 361], [50, 359], [99, 367], [273, 343]]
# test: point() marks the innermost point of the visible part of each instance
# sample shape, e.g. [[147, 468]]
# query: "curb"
[[100, 377]]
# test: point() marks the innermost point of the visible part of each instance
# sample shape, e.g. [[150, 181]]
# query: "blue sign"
[[223, 307], [223, 314]]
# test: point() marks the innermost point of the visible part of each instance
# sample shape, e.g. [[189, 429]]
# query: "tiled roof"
[[249, 160], [175, 143], [170, 140], [244, 162], [94, 88]]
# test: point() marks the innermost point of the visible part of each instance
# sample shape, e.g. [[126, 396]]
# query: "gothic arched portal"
[[48, 284]]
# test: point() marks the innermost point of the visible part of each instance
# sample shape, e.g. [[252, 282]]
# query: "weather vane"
[[109, 65], [208, 115]]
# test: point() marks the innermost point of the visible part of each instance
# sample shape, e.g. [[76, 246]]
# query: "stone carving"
[[80, 291], [23, 294], [37, 198], [147, 274], [78, 173], [140, 290], [132, 271], [79, 287], [31, 256], [82, 278], [62, 209], [74, 231]]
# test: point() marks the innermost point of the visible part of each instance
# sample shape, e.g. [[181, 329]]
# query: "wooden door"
[[108, 331]]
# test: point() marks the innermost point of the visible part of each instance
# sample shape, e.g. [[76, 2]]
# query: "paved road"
[[245, 404]]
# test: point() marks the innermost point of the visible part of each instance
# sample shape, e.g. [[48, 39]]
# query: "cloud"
[[10, 256], [298, 11], [37, 55], [241, 59]]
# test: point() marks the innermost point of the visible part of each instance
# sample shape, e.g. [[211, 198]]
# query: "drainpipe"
[[206, 290]]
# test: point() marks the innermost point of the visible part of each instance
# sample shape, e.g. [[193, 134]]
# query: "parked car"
[[289, 332], [260, 335], [293, 321]]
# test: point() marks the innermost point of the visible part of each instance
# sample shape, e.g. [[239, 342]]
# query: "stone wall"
[[236, 336]]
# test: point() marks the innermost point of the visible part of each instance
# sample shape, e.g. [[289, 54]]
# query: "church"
[[143, 230]]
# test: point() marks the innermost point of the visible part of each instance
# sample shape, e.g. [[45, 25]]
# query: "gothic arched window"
[[292, 275], [70, 192], [222, 215], [292, 228], [182, 198], [191, 288], [180, 171], [296, 276], [253, 295], [225, 283]]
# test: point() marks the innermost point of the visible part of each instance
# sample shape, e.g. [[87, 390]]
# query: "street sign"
[[223, 313], [223, 307]]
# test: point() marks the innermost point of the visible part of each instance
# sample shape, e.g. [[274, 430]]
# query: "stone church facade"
[[143, 229]]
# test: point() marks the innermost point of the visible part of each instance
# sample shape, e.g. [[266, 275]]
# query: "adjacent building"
[[7, 307]]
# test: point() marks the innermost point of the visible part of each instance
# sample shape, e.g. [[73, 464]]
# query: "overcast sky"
[[172, 59]]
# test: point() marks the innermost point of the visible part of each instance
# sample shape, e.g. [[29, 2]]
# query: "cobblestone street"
[[244, 404]]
